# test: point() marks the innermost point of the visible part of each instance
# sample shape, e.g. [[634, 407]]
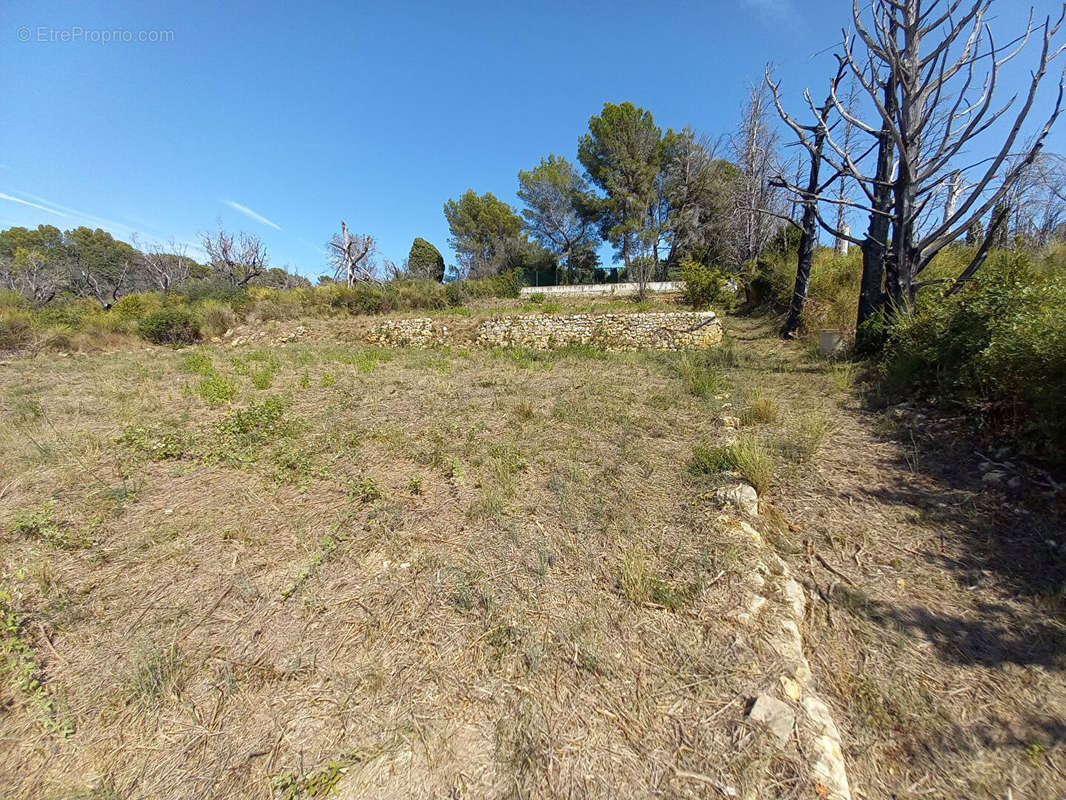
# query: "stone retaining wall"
[[416, 332], [660, 331]]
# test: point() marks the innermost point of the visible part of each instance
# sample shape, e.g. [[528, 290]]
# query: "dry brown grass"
[[490, 574], [933, 629], [412, 584]]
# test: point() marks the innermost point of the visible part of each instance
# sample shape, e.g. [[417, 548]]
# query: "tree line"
[[914, 94]]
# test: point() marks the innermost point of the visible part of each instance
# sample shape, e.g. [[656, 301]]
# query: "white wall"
[[601, 288]]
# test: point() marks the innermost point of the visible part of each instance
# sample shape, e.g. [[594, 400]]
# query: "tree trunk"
[[808, 228], [875, 245]]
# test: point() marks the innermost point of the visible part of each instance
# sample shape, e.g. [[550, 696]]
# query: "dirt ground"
[[329, 569]]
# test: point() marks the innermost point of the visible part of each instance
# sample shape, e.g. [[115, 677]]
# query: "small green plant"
[[843, 376], [366, 490], [20, 670], [305, 380], [320, 783], [414, 485], [153, 674], [157, 446], [263, 366], [328, 379], [537, 297], [468, 595], [240, 433], [215, 390], [291, 464], [198, 362], [169, 326], [698, 374], [40, 523], [747, 455], [367, 359]]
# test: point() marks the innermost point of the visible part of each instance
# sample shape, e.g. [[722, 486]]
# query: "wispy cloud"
[[61, 210], [20, 201], [248, 212], [125, 230]]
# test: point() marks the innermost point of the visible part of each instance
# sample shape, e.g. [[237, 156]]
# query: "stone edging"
[[773, 591]]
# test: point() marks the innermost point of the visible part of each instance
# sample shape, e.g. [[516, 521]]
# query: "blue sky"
[[283, 119]]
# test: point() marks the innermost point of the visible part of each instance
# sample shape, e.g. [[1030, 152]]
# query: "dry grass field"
[[326, 569]]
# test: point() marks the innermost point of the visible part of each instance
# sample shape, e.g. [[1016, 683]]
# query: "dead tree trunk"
[[808, 229]]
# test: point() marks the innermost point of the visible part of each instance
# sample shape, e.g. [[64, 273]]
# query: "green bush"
[[215, 389], [170, 326], [135, 306], [454, 294], [16, 329], [217, 317], [998, 348], [213, 288], [702, 284], [425, 261], [769, 282]]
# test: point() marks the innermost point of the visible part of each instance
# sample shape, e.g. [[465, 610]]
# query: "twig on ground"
[[205, 616], [834, 570]]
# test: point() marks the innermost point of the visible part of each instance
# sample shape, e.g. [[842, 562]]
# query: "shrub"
[[998, 347], [213, 287], [425, 261], [214, 389], [16, 329], [702, 284], [454, 294], [134, 306], [216, 317], [169, 326]]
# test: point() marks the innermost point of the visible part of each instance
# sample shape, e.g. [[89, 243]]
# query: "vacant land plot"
[[237, 572], [330, 569]]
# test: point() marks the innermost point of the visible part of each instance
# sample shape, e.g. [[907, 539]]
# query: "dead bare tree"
[[237, 259], [166, 265], [352, 256], [840, 246], [1039, 202], [917, 63], [759, 204], [31, 273], [814, 136]]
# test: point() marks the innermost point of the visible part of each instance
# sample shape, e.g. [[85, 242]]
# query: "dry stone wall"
[[417, 332], [679, 330], [660, 331]]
